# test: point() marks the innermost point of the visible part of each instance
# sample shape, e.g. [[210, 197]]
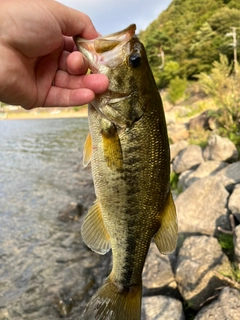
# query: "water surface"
[[44, 266]]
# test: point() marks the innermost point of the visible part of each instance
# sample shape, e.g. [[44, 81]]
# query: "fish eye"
[[135, 60]]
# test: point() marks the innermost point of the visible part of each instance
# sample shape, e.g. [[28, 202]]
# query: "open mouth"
[[105, 51]]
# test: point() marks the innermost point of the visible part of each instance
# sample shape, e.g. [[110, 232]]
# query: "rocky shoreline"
[[199, 280], [199, 277]]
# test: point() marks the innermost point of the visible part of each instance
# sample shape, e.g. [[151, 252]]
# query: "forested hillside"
[[192, 34]]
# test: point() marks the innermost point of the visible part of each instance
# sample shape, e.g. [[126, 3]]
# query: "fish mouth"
[[105, 51]]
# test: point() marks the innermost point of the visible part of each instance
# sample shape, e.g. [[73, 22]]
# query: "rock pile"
[[200, 272]]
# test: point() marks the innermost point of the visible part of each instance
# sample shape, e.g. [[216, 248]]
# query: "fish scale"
[[129, 153]]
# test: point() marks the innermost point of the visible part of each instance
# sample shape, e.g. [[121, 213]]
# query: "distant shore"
[[42, 113]]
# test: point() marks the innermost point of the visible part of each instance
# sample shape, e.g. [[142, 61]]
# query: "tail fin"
[[108, 303]]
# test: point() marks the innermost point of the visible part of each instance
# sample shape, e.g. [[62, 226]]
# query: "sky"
[[110, 16]]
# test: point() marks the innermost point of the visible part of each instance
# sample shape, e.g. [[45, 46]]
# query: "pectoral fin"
[[111, 145], [87, 151], [94, 232], [166, 237]]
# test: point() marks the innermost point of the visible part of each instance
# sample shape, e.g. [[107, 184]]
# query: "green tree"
[[204, 48], [163, 75], [223, 86], [192, 34], [177, 88]]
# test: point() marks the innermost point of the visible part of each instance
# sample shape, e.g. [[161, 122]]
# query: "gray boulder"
[[230, 175], [188, 158], [234, 202], [201, 122], [158, 277], [4, 315], [71, 212], [177, 147], [221, 149], [170, 117], [183, 177], [237, 245], [226, 307], [198, 260], [201, 208], [205, 169], [177, 132], [161, 307]]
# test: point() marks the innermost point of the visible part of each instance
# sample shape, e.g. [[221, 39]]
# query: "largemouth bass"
[[129, 153]]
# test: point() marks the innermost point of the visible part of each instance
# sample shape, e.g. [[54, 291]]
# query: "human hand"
[[39, 67]]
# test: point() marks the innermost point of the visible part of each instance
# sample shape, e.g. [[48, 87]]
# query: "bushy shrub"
[[222, 84], [177, 88]]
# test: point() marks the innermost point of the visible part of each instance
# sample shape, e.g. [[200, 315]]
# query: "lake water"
[[45, 269]]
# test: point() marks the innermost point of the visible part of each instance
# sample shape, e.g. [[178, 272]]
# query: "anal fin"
[[166, 237], [94, 232]]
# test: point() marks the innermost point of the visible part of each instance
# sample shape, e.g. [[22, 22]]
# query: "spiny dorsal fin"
[[166, 237], [94, 232], [87, 151]]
